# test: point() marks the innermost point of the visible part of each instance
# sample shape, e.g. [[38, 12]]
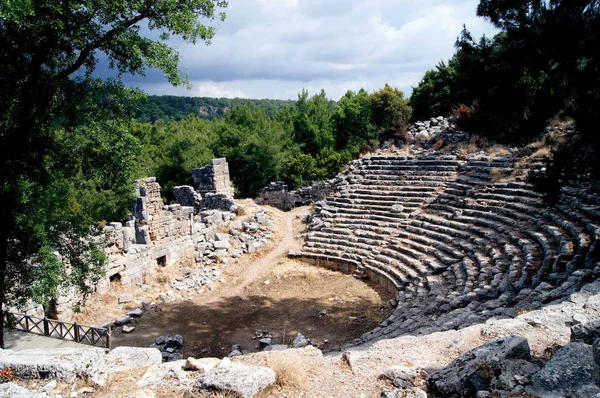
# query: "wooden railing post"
[[46, 328], [76, 332], [108, 338], [26, 323]]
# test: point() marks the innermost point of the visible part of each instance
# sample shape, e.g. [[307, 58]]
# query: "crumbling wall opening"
[[116, 278], [161, 261]]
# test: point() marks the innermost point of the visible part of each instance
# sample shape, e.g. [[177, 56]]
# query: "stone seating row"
[[455, 243]]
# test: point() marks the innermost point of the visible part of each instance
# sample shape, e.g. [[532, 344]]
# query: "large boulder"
[[125, 358], [170, 374], [63, 364], [245, 380], [477, 369], [400, 376], [570, 372]]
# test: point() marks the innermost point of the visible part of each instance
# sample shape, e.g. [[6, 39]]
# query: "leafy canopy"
[[66, 136]]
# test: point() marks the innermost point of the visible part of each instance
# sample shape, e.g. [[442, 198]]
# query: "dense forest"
[[169, 107], [309, 139]]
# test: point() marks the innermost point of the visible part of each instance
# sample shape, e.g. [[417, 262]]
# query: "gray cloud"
[[274, 48]]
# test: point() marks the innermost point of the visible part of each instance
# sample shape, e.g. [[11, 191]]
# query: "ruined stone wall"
[[277, 194], [156, 235], [213, 178], [148, 208]]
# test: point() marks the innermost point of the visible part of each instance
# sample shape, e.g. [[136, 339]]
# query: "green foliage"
[[311, 139], [435, 94], [66, 137], [353, 127], [389, 107]]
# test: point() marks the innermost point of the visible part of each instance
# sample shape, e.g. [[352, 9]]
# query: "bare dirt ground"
[[261, 292]]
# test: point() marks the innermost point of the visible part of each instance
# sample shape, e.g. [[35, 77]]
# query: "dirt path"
[[288, 242], [266, 291]]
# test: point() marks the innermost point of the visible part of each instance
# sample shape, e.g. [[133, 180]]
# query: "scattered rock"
[[146, 305], [586, 332], [123, 320], [400, 376], [126, 298], [300, 341], [128, 329], [138, 312], [50, 386], [570, 372]]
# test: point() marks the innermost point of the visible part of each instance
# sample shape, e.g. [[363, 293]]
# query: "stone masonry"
[[213, 178], [156, 235]]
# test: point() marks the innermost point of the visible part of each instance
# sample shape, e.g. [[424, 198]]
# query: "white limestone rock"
[[245, 380]]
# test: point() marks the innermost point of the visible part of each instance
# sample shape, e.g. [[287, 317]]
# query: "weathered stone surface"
[[405, 393], [65, 364], [125, 358], [586, 332], [476, 369], [202, 364], [238, 378], [12, 390], [570, 372], [400, 376], [170, 374]]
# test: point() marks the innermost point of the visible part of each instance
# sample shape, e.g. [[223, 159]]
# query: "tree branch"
[[85, 53]]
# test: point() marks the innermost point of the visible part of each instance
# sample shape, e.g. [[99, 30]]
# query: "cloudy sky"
[[275, 48]]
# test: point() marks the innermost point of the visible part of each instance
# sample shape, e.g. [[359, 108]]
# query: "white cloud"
[[274, 48], [218, 90]]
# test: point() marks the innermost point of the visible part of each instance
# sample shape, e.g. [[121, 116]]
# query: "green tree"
[[353, 121], [390, 112], [312, 122], [435, 94], [48, 53], [389, 106]]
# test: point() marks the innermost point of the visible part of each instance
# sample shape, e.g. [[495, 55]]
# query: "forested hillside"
[[309, 139], [169, 107]]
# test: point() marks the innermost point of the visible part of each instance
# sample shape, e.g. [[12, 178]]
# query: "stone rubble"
[[170, 347]]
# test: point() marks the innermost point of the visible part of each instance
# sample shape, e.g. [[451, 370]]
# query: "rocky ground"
[[550, 352]]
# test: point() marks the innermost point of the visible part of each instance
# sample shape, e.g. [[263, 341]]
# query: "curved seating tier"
[[458, 241]]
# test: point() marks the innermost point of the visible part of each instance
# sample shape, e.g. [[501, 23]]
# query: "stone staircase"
[[458, 241]]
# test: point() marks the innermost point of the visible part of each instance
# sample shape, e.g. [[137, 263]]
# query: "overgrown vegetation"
[[544, 62], [66, 136]]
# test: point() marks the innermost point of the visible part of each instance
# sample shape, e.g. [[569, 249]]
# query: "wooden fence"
[[83, 334]]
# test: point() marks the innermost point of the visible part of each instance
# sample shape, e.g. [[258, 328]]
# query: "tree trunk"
[[5, 224]]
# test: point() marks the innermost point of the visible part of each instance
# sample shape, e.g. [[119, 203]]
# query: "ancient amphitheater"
[[472, 254], [459, 240]]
